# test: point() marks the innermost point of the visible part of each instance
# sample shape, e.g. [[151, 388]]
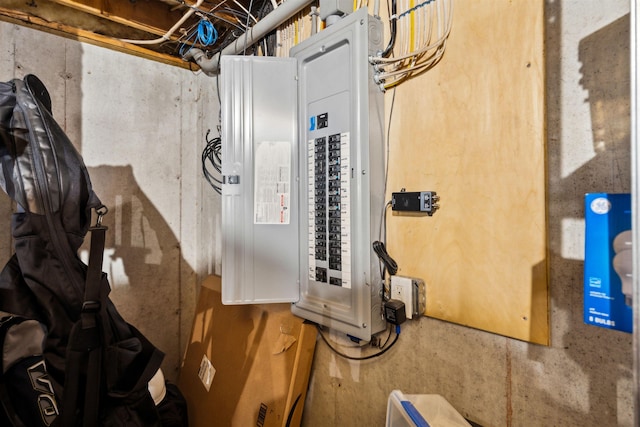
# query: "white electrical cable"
[[422, 33], [246, 11], [417, 67], [278, 43], [168, 34], [443, 37]]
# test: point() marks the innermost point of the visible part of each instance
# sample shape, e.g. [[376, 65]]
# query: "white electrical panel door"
[[260, 189], [342, 176]]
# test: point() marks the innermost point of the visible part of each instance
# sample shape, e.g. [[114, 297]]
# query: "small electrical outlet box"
[[412, 292], [415, 201], [395, 311]]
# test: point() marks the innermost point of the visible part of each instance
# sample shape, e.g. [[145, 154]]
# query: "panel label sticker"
[[272, 185]]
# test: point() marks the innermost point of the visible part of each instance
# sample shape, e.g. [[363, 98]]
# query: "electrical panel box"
[[303, 168]]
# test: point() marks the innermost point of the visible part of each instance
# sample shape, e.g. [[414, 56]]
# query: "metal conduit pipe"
[[314, 20], [286, 10]]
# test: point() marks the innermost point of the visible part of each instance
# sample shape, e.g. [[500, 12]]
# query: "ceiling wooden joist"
[[150, 16], [113, 23]]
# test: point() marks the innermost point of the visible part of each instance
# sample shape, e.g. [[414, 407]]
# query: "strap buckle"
[[101, 211], [91, 306]]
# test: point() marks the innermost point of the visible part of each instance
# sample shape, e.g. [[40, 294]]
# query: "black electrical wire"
[[386, 166], [389, 263], [218, 86], [270, 40], [371, 356], [382, 233], [392, 23], [212, 154]]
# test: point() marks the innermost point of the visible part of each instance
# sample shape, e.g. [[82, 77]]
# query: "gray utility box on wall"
[[303, 168]]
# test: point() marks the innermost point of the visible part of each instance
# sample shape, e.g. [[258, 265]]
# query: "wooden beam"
[[60, 29], [151, 16]]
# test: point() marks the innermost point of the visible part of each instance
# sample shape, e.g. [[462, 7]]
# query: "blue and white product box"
[[608, 262]]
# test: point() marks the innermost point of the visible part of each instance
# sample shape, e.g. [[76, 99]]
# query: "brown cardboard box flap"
[[246, 365]]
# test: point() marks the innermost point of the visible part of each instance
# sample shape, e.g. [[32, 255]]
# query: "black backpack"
[[94, 367]]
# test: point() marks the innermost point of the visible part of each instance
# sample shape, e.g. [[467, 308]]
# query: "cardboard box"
[[607, 261], [246, 365]]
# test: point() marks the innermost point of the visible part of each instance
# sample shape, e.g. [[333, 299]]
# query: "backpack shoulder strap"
[[85, 341]]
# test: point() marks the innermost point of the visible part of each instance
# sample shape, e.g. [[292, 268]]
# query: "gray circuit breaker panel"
[[341, 155], [336, 196]]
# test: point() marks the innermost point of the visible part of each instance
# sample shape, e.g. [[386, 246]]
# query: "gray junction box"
[[303, 165]]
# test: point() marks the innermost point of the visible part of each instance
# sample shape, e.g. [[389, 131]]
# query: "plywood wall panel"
[[472, 129]]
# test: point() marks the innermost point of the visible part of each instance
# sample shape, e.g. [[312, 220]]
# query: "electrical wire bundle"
[[203, 34], [292, 32], [228, 14], [212, 154], [245, 17], [382, 347], [269, 42], [420, 37]]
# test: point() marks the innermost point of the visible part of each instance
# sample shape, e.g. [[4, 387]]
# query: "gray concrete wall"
[[140, 126]]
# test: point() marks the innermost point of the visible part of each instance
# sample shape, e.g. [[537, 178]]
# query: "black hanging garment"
[[94, 367]]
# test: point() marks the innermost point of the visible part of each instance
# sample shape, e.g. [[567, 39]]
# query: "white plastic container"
[[422, 410]]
